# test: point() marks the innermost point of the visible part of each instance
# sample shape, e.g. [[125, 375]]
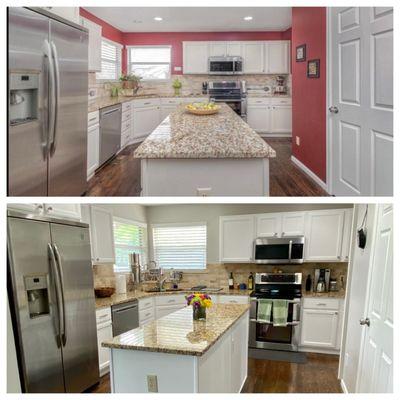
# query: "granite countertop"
[[139, 294], [177, 333], [340, 294], [221, 135]]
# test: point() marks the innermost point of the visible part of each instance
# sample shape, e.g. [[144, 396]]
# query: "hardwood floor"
[[317, 375], [121, 176]]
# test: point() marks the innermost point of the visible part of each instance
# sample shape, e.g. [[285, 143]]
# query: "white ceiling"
[[195, 19]]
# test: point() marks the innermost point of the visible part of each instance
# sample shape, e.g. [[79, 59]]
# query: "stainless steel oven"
[[264, 335], [225, 65], [272, 250]]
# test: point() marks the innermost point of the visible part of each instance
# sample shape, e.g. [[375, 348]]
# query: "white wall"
[[135, 212], [210, 214], [355, 300]]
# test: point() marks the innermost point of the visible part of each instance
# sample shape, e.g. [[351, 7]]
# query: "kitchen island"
[[204, 155], [175, 354]]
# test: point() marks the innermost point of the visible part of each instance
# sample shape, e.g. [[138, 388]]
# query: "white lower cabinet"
[[145, 120], [258, 117], [104, 333], [228, 299], [281, 119], [93, 149]]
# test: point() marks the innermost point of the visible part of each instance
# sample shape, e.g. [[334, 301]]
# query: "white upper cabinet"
[[95, 32], [69, 211], [234, 49], [324, 233], [293, 223], [195, 57], [277, 57], [217, 49], [268, 225], [68, 13], [102, 235], [236, 238], [253, 57], [348, 219]]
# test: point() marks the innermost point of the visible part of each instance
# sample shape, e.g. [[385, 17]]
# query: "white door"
[[102, 235], [293, 224], [195, 57], [319, 328], [376, 368], [236, 238], [281, 119], [277, 57], [324, 231], [361, 109], [269, 225], [258, 117], [253, 57]]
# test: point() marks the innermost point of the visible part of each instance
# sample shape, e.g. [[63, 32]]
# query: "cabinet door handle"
[[321, 304], [93, 119]]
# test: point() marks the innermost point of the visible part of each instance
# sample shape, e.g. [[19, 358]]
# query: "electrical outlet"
[[152, 385], [204, 192], [297, 140]]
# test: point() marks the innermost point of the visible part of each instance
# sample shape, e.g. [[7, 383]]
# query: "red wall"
[[175, 39], [309, 95]]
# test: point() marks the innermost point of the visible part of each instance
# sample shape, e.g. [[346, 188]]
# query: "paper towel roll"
[[120, 284]]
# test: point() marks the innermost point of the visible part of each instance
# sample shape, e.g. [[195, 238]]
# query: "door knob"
[[333, 109], [365, 321]]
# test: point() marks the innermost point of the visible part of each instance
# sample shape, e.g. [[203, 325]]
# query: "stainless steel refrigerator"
[[48, 104], [50, 287]]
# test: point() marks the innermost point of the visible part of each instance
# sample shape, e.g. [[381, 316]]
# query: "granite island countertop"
[[178, 333], [186, 136], [140, 294]]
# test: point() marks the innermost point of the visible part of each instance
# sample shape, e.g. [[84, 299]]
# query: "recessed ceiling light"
[[157, 19], [248, 18]]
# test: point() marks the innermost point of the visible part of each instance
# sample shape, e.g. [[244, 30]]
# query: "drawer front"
[[126, 116], [125, 126], [258, 101], [233, 299], [146, 303], [321, 303], [146, 321], [172, 101], [93, 118], [146, 314], [170, 300], [125, 138], [126, 106], [103, 315], [277, 102], [146, 103]]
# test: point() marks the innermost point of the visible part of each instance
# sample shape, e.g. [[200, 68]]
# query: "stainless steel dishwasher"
[[110, 132], [125, 317]]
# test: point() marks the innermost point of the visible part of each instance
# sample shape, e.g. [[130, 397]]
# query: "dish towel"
[[264, 310], [280, 312]]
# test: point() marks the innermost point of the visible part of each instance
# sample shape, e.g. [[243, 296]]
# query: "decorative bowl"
[[104, 292], [203, 111]]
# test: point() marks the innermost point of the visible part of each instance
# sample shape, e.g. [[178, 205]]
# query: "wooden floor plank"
[[121, 176], [317, 375]]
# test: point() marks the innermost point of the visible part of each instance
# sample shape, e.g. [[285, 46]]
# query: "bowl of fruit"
[[203, 108]]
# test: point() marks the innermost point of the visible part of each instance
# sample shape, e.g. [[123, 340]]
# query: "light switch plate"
[[152, 384], [297, 140], [203, 192]]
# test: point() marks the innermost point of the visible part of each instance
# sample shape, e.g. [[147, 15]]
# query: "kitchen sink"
[[156, 290]]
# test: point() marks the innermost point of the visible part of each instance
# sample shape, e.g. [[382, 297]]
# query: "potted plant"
[[200, 302], [130, 81], [115, 88], [177, 85]]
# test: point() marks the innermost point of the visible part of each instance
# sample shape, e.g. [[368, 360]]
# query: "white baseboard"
[[311, 174], [343, 386], [275, 135], [319, 350]]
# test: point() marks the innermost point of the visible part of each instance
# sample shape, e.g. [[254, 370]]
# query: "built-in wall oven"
[[273, 250], [263, 334], [225, 65]]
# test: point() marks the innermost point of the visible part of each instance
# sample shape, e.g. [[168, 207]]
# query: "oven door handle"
[[290, 250], [294, 323]]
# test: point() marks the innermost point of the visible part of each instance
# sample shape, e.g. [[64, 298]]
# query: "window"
[[151, 63], [180, 246], [110, 61], [129, 237]]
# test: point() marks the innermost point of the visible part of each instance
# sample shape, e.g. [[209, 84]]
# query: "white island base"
[[221, 369], [205, 177]]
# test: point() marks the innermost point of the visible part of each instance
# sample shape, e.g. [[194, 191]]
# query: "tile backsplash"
[[191, 84], [216, 275]]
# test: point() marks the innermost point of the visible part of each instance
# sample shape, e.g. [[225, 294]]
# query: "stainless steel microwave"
[[272, 250], [225, 65]]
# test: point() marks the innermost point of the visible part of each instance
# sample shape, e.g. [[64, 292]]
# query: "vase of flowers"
[[130, 81], [200, 302]]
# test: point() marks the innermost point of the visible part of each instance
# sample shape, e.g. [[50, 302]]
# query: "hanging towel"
[[264, 310], [280, 312]]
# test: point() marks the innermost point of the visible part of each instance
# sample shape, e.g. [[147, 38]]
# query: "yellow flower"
[[207, 303]]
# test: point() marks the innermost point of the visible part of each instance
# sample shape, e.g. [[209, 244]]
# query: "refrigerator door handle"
[[60, 271], [54, 269], [52, 98], [53, 143]]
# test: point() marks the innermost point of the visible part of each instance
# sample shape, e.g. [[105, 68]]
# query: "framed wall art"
[[313, 68], [301, 53]]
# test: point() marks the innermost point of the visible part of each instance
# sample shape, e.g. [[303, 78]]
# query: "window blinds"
[[150, 62], [180, 247], [129, 237], [110, 61]]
